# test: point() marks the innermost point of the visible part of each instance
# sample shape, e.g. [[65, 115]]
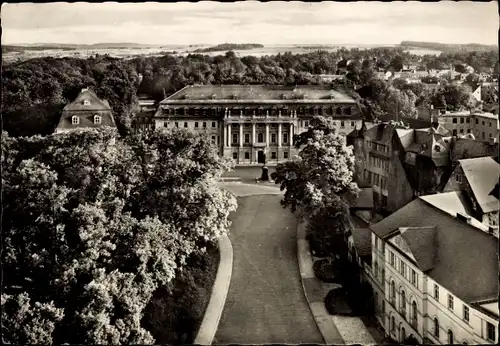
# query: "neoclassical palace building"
[[247, 122]]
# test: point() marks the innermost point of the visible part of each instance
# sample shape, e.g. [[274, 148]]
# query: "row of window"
[[258, 111], [376, 179], [490, 330], [467, 120], [378, 147], [75, 120], [451, 304], [204, 124], [402, 269], [274, 155], [378, 162], [260, 138]]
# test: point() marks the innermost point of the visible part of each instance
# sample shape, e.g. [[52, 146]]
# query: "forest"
[[35, 91]]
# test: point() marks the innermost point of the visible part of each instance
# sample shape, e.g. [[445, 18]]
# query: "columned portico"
[[229, 135], [279, 135]]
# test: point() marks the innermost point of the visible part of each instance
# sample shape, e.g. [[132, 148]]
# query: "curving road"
[[266, 302]]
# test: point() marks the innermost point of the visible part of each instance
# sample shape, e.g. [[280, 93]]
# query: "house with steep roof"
[[86, 111], [434, 276], [477, 179]]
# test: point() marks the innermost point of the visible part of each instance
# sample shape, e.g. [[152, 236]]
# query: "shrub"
[[318, 248], [326, 270], [336, 303]]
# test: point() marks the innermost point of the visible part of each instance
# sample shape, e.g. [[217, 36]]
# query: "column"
[[279, 135], [224, 139], [291, 135], [267, 134], [253, 134], [241, 135], [229, 135]]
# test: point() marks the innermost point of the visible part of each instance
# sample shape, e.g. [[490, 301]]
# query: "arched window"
[[393, 325], [97, 119], [375, 268], [450, 337], [403, 334], [403, 304], [414, 313], [75, 120], [260, 138], [436, 328], [393, 292]]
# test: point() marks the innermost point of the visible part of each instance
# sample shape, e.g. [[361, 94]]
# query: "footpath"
[[339, 330], [220, 289]]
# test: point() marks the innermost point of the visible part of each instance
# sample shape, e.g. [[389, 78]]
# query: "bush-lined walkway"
[[265, 303]]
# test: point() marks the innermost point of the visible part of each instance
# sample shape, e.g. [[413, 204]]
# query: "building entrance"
[[260, 156]]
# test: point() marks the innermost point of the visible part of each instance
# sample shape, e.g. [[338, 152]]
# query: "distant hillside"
[[445, 47], [64, 46], [229, 46]]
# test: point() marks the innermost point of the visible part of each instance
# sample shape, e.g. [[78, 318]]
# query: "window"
[[383, 276], [247, 125], [213, 139], [393, 325], [204, 124], [468, 130], [413, 277], [234, 125], [477, 121], [436, 328], [402, 268], [454, 132], [86, 103], [403, 304], [196, 124], [306, 123], [235, 138], [450, 302], [461, 130], [369, 144], [467, 120], [176, 124], [342, 123], [218, 140], [260, 138], [454, 120], [483, 123], [352, 124], [285, 155], [97, 119], [235, 156], [491, 135], [375, 268], [75, 120], [462, 120], [490, 331], [490, 123], [273, 155], [338, 111], [393, 259], [185, 124], [348, 111], [483, 135], [213, 124], [273, 138], [393, 292], [165, 124], [414, 312], [285, 138], [466, 313], [247, 155], [436, 292], [450, 337], [247, 138]]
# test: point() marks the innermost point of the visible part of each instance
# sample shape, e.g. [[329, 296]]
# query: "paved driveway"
[[266, 302]]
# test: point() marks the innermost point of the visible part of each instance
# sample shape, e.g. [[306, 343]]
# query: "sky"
[[274, 22]]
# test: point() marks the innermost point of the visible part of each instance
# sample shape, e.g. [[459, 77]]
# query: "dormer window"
[[75, 120], [97, 119], [86, 103]]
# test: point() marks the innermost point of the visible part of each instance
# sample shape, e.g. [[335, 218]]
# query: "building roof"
[[257, 94], [466, 148], [381, 132], [482, 175], [423, 245], [362, 241], [428, 142], [466, 258], [452, 203], [487, 115], [96, 104], [86, 113], [365, 199]]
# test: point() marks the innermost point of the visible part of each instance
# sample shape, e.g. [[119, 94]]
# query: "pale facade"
[[409, 302], [486, 127], [250, 123]]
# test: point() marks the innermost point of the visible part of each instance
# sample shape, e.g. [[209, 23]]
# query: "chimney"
[[463, 217]]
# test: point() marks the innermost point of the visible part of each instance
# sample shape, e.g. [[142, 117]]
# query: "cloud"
[[271, 22]]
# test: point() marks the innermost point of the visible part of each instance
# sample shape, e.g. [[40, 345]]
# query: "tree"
[[84, 251]]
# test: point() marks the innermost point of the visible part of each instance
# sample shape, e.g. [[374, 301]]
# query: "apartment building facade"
[[435, 277]]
